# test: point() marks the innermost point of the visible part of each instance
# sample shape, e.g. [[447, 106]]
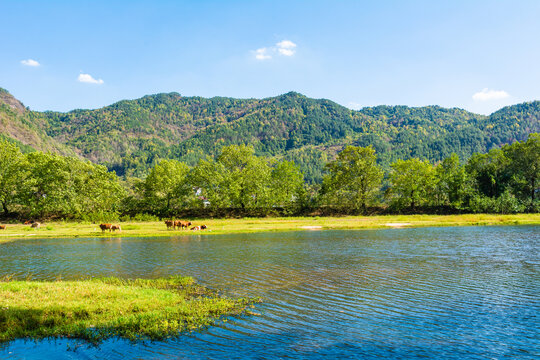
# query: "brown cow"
[[200, 227], [116, 227], [2, 227], [104, 227], [36, 225], [182, 224], [170, 224]]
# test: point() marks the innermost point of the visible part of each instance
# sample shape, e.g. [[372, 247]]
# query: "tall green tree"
[[524, 163], [48, 190], [452, 182], [166, 184], [69, 187], [209, 180], [239, 179], [96, 189], [12, 173], [286, 182], [246, 176], [412, 181], [490, 172], [354, 177]]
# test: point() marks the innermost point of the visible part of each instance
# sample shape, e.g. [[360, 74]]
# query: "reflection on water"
[[398, 293]]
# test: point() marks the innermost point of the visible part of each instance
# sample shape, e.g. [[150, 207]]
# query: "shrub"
[[506, 203], [140, 217], [100, 216]]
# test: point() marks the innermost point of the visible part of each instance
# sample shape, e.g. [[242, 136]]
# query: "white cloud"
[[487, 95], [87, 78], [286, 44], [286, 47], [286, 52], [30, 62], [262, 54]]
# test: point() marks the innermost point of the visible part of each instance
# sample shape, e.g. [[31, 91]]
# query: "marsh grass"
[[250, 225], [97, 309]]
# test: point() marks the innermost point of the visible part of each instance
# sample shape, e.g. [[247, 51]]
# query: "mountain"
[[131, 135], [26, 128]]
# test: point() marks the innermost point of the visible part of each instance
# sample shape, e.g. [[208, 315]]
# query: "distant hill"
[[26, 128], [131, 135]]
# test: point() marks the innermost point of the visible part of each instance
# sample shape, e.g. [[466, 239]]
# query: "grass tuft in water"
[[97, 309]]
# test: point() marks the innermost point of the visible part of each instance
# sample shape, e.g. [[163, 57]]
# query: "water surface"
[[454, 293]]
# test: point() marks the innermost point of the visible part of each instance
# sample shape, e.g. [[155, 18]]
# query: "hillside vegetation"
[[26, 128], [131, 136]]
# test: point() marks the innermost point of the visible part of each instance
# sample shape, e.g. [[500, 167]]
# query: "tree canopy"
[[354, 178], [238, 181]]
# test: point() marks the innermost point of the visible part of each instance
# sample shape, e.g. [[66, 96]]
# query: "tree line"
[[237, 182]]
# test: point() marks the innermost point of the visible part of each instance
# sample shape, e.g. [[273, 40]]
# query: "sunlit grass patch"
[[252, 225], [97, 309], [131, 227]]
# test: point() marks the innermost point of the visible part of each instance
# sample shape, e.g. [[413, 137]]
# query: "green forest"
[[238, 182], [132, 136]]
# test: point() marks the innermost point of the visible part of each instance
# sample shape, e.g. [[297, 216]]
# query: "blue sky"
[[476, 55]]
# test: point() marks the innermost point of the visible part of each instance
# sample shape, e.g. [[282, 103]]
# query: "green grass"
[[97, 309], [250, 225]]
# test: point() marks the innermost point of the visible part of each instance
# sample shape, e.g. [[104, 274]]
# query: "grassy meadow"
[[248, 225], [97, 309]]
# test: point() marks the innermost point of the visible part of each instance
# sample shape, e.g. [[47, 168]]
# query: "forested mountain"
[[131, 135], [26, 128]]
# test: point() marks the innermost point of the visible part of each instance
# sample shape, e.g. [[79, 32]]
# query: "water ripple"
[[448, 293]]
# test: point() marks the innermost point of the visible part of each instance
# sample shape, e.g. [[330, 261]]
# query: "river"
[[445, 293]]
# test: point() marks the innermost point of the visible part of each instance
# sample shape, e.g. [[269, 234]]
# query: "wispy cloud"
[[284, 48], [30, 62], [87, 78], [262, 54], [487, 95]]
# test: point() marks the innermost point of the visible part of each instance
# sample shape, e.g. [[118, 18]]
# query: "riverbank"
[[248, 225], [98, 309]]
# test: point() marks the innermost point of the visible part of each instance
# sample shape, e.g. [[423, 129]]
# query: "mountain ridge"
[[287, 94], [129, 136]]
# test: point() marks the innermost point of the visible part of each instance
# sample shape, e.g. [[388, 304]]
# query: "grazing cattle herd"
[[177, 224], [32, 223], [171, 224], [174, 224], [181, 224], [110, 227]]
